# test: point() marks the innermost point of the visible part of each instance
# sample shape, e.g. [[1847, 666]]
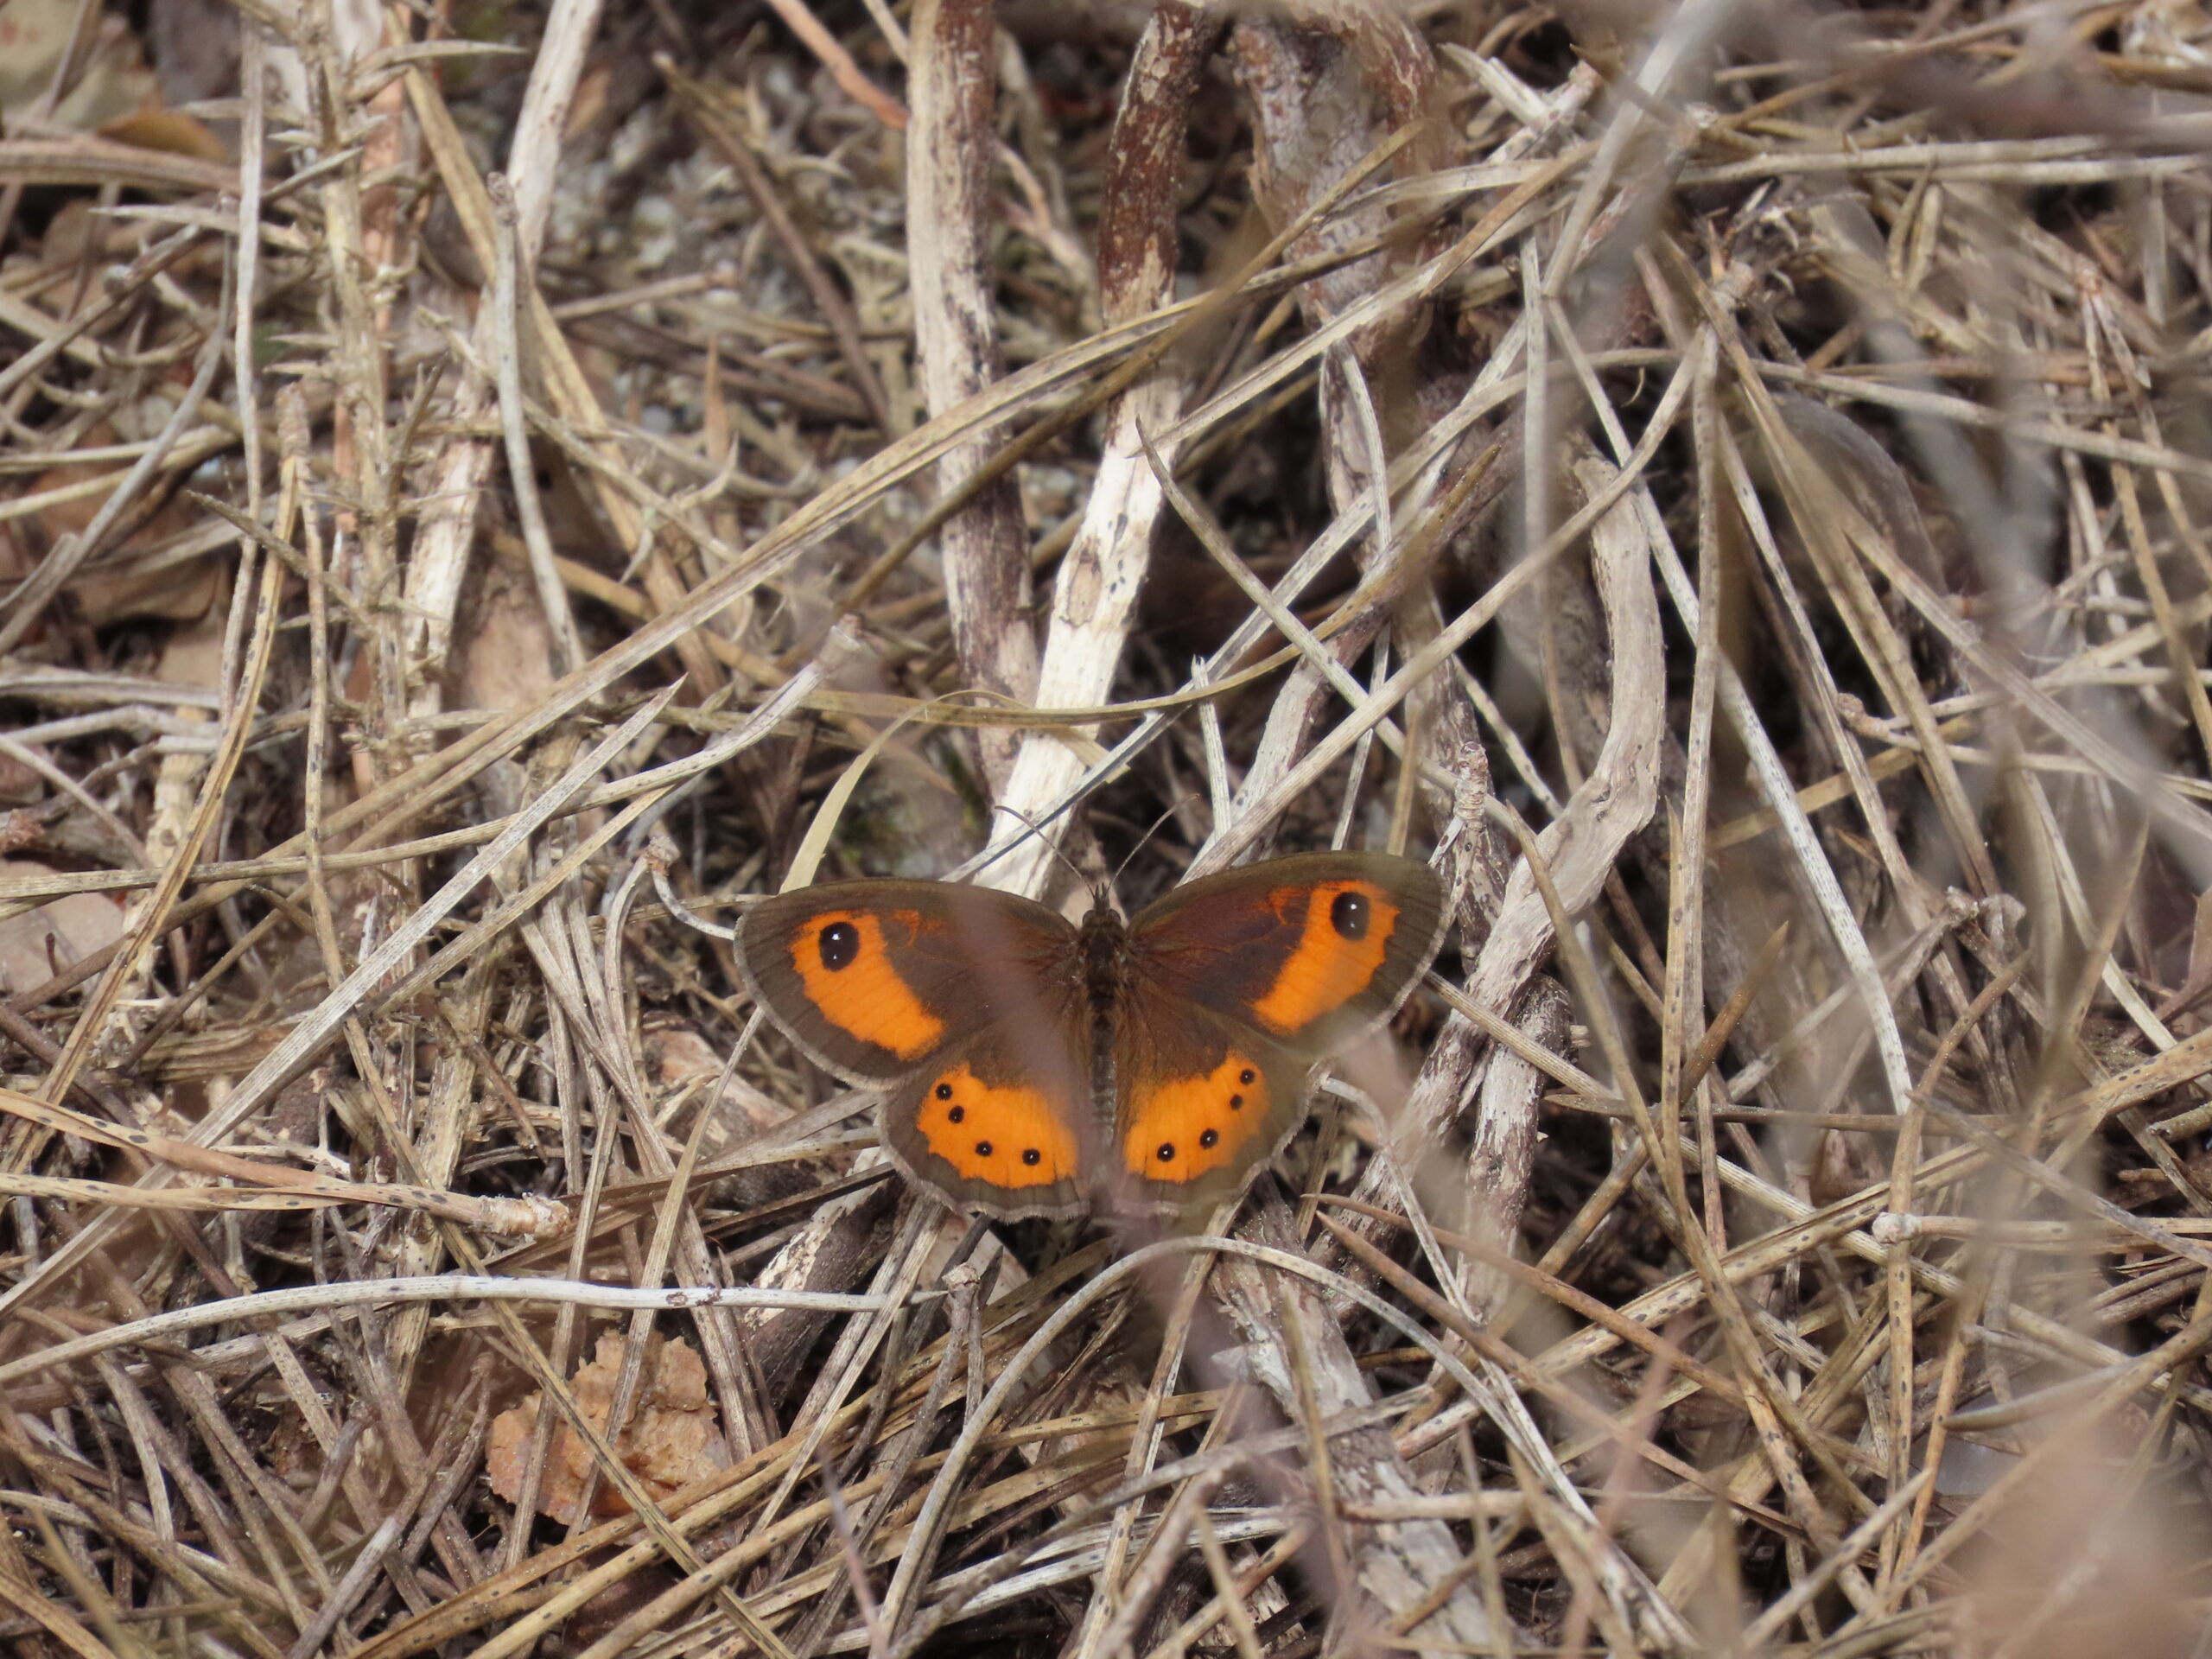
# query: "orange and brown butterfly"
[[1030, 1066]]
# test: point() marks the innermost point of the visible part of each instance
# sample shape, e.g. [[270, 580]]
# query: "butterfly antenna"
[[1051, 847], [1130, 857]]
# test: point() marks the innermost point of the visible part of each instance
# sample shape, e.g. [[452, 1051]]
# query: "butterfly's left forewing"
[[1311, 949], [1237, 984]]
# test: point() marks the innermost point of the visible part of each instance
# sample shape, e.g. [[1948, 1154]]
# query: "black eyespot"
[[944, 1091], [982, 1148], [1236, 1102], [1209, 1138], [1247, 1075], [1348, 915], [1032, 1157], [1166, 1152], [956, 1115], [840, 944]]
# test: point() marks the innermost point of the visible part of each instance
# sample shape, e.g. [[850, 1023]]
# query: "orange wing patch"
[[847, 971], [1186, 1127], [1005, 1135], [1347, 933]]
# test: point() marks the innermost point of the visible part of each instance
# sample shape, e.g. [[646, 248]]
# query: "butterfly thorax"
[[1102, 941]]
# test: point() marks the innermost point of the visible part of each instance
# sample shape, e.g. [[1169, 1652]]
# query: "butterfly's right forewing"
[[965, 1005]]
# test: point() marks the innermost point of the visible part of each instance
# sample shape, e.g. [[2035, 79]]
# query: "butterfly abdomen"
[[1102, 947]]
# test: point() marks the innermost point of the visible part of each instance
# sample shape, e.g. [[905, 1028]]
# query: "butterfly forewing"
[[872, 978], [1310, 950]]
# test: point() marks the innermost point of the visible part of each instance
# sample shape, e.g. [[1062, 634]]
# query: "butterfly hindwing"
[[1201, 1102], [999, 1123]]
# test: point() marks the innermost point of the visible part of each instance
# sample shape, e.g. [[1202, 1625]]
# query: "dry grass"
[[1725, 477]]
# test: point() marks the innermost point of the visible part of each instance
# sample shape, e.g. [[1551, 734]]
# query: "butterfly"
[[1028, 1066]]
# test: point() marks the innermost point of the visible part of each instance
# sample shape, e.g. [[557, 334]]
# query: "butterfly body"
[[1029, 1065]]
